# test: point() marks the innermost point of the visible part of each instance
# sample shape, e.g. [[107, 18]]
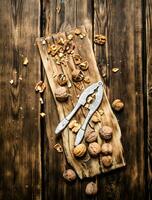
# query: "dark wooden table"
[[29, 167]]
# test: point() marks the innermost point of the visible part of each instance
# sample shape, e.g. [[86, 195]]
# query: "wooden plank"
[[121, 22], [20, 162], [59, 16], [149, 89]]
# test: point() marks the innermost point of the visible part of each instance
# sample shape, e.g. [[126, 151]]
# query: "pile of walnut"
[[94, 149]]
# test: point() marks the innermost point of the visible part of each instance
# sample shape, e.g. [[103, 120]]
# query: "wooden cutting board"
[[86, 166]]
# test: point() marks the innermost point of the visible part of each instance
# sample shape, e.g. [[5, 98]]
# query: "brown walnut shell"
[[61, 79], [79, 150], [77, 59], [61, 94], [106, 149], [91, 136], [91, 188], [106, 133], [77, 75], [117, 105], [107, 161], [94, 149], [69, 175]]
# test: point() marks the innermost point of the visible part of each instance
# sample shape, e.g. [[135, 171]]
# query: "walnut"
[[76, 128], [60, 41], [61, 94], [117, 105], [106, 133], [62, 80], [96, 118], [77, 59], [106, 149], [91, 188], [70, 37], [77, 31], [84, 65], [91, 136], [94, 149], [40, 87], [77, 75], [107, 161], [115, 69], [100, 39], [79, 150], [53, 49], [87, 79], [69, 175]]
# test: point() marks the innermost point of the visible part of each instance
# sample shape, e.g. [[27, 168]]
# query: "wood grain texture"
[[149, 89], [20, 162], [121, 22]]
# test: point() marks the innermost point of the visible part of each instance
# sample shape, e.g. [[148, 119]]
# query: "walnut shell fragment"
[[62, 80], [100, 39], [40, 87], [84, 65], [91, 136], [77, 31], [107, 161], [79, 150], [25, 61], [58, 147], [106, 149], [77, 59], [94, 149], [117, 105], [69, 175], [77, 75], [61, 94], [106, 133], [91, 188]]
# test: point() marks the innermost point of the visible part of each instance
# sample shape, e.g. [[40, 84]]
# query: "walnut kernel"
[[84, 65], [40, 87], [100, 39]]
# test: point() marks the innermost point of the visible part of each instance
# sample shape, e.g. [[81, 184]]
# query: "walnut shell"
[[77, 59], [100, 39], [69, 175], [77, 75], [117, 105], [95, 118], [40, 87], [84, 65], [91, 136], [62, 80], [106, 149], [61, 94], [91, 188], [79, 150], [94, 149], [107, 161], [106, 133]]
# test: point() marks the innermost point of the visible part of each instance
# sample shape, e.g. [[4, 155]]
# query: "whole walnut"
[[117, 105], [94, 149], [79, 150], [69, 175], [91, 136], [106, 132], [106, 149], [91, 188], [77, 75], [61, 94], [107, 161]]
